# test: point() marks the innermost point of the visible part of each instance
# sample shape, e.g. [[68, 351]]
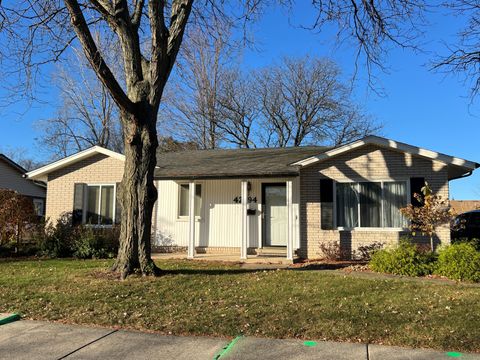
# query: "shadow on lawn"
[[328, 266], [211, 271]]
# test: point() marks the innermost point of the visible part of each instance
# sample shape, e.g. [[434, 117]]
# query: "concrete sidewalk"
[[43, 340]]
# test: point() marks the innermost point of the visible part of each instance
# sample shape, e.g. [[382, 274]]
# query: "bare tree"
[[304, 101], [21, 156], [87, 115], [463, 58], [149, 34], [195, 105], [239, 108]]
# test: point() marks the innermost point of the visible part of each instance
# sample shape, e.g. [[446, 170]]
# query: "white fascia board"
[[41, 173], [390, 144]]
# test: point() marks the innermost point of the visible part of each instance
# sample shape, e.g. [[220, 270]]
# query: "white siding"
[[221, 218]]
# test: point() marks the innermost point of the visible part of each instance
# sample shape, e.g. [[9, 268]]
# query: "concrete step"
[[272, 251]]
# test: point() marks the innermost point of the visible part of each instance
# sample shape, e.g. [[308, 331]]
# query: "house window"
[[100, 205], [371, 204], [183, 201], [39, 205]]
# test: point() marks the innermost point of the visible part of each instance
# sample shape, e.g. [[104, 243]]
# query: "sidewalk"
[[42, 340]]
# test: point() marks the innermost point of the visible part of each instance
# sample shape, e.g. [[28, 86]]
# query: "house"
[[12, 177], [462, 206], [245, 200]]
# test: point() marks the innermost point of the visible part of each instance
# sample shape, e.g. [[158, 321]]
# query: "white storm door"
[[275, 214]]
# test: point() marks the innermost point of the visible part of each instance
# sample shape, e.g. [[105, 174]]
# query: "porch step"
[[280, 251]]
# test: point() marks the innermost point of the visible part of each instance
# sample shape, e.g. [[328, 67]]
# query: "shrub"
[[95, 243], [365, 252], [404, 259], [57, 240], [83, 242], [17, 216], [333, 251], [459, 261], [474, 242]]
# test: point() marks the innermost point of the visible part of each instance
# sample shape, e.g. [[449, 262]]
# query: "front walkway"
[[42, 340]]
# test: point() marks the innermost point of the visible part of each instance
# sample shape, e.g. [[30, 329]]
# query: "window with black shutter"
[[416, 185], [326, 204]]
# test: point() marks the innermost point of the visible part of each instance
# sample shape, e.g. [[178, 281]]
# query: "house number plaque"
[[238, 199]]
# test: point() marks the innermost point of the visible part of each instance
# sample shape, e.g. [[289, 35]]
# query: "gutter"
[[477, 165]]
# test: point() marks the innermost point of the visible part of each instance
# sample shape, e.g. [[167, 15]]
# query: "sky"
[[420, 107]]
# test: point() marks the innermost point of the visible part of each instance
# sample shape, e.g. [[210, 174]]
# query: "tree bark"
[[137, 195]]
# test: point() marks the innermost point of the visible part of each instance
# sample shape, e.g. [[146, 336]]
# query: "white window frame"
[[85, 205], [382, 202], [179, 194]]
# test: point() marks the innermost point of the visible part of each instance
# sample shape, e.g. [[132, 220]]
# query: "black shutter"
[[326, 204], [416, 184], [78, 203], [118, 208]]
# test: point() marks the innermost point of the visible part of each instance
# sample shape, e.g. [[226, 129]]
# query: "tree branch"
[[95, 58]]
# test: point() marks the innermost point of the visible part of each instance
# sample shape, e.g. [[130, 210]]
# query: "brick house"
[[250, 201]]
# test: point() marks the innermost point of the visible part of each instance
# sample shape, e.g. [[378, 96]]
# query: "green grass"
[[215, 299]]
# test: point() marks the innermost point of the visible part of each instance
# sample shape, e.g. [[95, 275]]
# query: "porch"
[[231, 219], [263, 257]]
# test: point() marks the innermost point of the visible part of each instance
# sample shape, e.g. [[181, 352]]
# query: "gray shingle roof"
[[233, 163]]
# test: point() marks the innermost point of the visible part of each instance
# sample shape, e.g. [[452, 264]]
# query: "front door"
[[274, 201]]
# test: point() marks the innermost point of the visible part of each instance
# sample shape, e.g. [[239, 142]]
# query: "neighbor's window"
[[39, 205], [100, 204], [371, 204], [183, 203]]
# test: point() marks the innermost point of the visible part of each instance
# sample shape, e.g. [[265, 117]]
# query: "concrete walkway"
[[43, 340]]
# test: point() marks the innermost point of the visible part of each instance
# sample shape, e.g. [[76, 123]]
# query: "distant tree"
[[87, 114], [239, 109], [169, 144], [21, 156], [195, 107], [304, 101], [432, 213]]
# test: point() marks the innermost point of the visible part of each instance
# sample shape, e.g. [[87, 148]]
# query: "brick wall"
[[368, 163], [98, 169]]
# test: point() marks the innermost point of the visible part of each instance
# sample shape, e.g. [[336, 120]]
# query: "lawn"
[[220, 300]]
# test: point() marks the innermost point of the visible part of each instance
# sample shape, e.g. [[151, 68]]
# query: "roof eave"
[[41, 174], [226, 176], [390, 144]]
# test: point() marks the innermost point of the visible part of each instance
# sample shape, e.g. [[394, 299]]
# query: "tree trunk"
[[137, 195]]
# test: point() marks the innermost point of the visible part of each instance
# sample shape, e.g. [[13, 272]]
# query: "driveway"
[[42, 340]]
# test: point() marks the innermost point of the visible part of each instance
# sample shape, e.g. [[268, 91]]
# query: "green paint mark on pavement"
[[454, 354], [227, 348], [8, 318], [310, 343]]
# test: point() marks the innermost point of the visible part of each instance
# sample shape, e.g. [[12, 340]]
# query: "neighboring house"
[[12, 177], [244, 200], [461, 206]]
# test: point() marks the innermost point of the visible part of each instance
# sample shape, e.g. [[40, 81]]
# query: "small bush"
[[404, 259], [365, 252], [333, 251], [95, 243], [83, 242], [474, 242], [459, 261], [56, 240]]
